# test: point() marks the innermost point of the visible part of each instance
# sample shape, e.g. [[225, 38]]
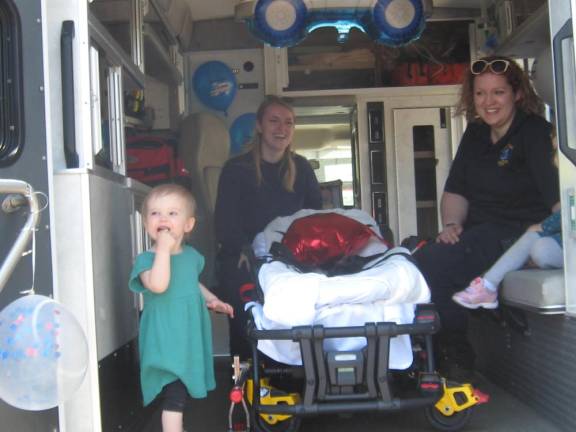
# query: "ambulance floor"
[[504, 413]]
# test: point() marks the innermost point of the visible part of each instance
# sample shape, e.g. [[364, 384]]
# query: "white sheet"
[[386, 293]]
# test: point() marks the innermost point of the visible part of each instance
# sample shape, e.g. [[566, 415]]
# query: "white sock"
[[489, 285]]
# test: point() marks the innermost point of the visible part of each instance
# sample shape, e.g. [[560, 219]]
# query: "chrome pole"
[[24, 194]]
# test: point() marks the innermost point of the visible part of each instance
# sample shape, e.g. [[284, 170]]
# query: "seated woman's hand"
[[450, 234]]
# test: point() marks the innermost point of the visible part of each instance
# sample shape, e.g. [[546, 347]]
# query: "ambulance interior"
[[376, 122], [379, 119]]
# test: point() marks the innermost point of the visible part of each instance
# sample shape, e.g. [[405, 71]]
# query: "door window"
[[324, 135], [11, 127]]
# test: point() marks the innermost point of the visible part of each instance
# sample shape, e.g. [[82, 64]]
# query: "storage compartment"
[[319, 62]]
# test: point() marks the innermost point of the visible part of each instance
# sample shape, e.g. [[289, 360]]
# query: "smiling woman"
[[502, 180], [495, 103], [267, 181]]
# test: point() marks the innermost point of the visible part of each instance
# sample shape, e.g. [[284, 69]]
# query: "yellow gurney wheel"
[[452, 423], [289, 425], [452, 412]]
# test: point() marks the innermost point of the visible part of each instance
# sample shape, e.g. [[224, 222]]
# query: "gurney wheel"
[[290, 425], [441, 422]]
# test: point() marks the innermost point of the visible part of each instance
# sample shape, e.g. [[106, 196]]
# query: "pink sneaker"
[[477, 295]]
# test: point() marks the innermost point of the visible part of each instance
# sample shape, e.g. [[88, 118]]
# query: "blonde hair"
[[170, 189], [529, 101], [287, 162]]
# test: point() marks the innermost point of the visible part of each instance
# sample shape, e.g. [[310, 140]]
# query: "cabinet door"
[[422, 148]]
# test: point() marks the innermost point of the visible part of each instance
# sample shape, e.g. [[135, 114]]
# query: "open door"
[[423, 158], [357, 202], [326, 134], [562, 23], [23, 156]]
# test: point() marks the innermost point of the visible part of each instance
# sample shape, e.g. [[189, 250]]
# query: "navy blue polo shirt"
[[513, 181], [244, 208]]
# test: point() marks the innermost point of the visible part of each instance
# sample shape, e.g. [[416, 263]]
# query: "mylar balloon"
[[215, 85], [280, 23], [43, 353], [397, 22], [241, 132]]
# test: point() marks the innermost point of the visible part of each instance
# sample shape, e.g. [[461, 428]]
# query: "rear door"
[[562, 23], [23, 156]]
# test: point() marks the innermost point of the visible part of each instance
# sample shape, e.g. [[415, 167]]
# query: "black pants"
[[450, 268], [230, 280], [174, 396]]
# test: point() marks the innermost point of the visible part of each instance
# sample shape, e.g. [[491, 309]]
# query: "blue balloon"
[[280, 24], [215, 85], [241, 132]]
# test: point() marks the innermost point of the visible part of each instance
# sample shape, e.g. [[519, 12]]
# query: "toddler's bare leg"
[[172, 421]]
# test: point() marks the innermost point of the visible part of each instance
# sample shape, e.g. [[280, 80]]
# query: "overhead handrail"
[[9, 204]]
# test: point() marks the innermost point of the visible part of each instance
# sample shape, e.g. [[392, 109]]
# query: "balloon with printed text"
[[215, 85]]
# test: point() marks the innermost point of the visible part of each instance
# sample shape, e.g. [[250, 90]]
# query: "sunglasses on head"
[[496, 66]]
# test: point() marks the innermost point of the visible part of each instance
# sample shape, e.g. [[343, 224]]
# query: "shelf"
[[130, 121], [157, 62], [424, 155], [529, 38], [328, 61], [426, 204], [113, 50]]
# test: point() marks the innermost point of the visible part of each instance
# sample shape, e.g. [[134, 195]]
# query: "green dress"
[[175, 331]]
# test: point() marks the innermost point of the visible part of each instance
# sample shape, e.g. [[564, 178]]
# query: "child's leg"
[[172, 421], [175, 395], [547, 253], [482, 292], [513, 259]]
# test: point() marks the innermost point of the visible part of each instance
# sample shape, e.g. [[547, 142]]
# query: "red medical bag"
[[152, 160], [452, 73], [410, 74]]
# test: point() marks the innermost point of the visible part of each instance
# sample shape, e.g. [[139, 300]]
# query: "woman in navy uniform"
[[502, 180], [268, 181]]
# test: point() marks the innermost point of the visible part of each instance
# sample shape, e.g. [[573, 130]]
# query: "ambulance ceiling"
[[214, 9]]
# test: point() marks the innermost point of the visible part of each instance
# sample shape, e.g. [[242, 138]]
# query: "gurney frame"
[[353, 382]]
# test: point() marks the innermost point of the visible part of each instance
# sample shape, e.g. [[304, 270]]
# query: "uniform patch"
[[504, 158]]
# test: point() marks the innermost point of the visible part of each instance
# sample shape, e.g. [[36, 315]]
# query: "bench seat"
[[536, 290]]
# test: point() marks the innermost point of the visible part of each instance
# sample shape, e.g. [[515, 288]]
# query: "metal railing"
[[20, 194]]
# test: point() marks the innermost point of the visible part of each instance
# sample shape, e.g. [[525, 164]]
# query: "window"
[[11, 127]]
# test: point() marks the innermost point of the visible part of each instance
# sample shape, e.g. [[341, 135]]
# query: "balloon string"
[[33, 249]]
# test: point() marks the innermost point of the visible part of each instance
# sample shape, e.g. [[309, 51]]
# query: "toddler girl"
[[175, 339]]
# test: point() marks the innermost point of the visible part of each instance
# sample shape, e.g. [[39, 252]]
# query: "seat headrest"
[[204, 141]]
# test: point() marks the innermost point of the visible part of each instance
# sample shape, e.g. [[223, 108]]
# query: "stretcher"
[[346, 344]]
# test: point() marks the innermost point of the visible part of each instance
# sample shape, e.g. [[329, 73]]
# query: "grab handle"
[[15, 253], [67, 64], [564, 33]]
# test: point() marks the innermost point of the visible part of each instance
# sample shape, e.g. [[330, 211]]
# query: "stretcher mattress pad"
[[386, 292]]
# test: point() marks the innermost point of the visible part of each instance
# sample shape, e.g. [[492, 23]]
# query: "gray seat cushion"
[[537, 290]]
